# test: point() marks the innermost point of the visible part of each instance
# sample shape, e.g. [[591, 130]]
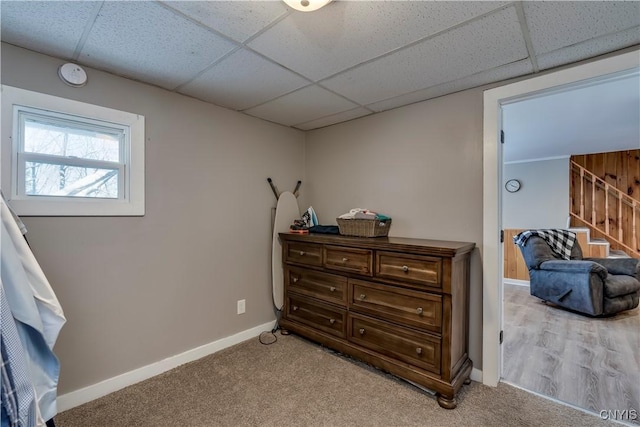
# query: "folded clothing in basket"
[[359, 213]]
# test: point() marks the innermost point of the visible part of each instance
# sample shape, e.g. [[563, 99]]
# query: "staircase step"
[[598, 242], [579, 230], [591, 247], [614, 253]]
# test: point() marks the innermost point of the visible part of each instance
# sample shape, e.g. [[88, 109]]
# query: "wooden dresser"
[[396, 303]]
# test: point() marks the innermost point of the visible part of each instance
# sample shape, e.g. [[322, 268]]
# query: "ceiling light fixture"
[[306, 5]]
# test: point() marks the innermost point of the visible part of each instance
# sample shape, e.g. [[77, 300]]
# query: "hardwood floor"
[[592, 363]]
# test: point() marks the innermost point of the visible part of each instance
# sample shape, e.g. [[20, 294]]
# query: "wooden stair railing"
[[591, 192]]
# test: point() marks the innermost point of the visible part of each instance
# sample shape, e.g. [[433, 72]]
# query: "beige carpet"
[[296, 383]]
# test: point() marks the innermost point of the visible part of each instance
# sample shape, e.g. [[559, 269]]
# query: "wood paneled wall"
[[620, 169], [514, 266]]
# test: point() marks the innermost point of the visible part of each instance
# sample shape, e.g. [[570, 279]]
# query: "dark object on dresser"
[[592, 286], [399, 304], [324, 229]]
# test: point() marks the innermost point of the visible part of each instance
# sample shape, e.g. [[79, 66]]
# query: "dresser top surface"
[[424, 246]]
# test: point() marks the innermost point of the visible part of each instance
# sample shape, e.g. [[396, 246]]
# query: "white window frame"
[[131, 165]]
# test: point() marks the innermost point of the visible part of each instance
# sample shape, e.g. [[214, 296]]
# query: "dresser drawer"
[[316, 284], [409, 307], [316, 314], [349, 259], [303, 253], [419, 349], [416, 269]]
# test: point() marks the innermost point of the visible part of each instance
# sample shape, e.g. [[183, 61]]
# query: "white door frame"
[[492, 189]]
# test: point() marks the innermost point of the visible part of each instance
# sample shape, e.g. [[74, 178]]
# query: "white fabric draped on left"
[[35, 308]]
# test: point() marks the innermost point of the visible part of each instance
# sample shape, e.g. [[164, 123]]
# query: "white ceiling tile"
[[145, 41], [302, 106], [382, 54], [243, 80], [553, 25], [480, 45], [50, 27], [589, 48], [347, 33], [334, 118], [504, 72], [237, 19]]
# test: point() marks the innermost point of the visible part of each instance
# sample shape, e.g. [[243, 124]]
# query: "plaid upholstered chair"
[[592, 286]]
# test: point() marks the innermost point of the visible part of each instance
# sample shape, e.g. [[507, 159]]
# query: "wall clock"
[[72, 74], [512, 185]]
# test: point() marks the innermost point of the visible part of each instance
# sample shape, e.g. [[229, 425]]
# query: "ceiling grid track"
[[437, 96], [87, 31], [524, 27], [319, 84], [359, 105], [198, 23], [240, 45], [207, 68], [271, 62], [600, 37], [334, 114], [416, 42]]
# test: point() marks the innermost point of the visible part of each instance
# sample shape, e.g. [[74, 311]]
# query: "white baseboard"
[[516, 282], [92, 392], [476, 375], [95, 391]]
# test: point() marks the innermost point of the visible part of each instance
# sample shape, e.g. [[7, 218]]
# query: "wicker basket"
[[364, 227]]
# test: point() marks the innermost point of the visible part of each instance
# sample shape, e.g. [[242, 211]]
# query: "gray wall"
[[421, 165], [543, 199], [136, 290]]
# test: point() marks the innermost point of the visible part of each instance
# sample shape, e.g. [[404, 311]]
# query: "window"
[[72, 158], [63, 156]]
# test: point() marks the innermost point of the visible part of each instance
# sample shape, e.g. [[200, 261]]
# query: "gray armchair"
[[593, 286]]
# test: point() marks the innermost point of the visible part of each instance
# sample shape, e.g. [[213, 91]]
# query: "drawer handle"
[[301, 253], [361, 331], [332, 289], [419, 350], [405, 268], [362, 297], [295, 279], [344, 260], [332, 321], [419, 310], [295, 308]]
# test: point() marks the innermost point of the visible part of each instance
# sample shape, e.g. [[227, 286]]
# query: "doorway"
[[586, 362], [494, 99]]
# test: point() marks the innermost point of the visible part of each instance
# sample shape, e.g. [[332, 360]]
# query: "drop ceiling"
[[310, 70]]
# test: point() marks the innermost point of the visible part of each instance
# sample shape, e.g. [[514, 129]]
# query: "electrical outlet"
[[241, 306]]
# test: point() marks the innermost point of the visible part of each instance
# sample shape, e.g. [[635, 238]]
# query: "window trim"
[[133, 170], [20, 157]]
